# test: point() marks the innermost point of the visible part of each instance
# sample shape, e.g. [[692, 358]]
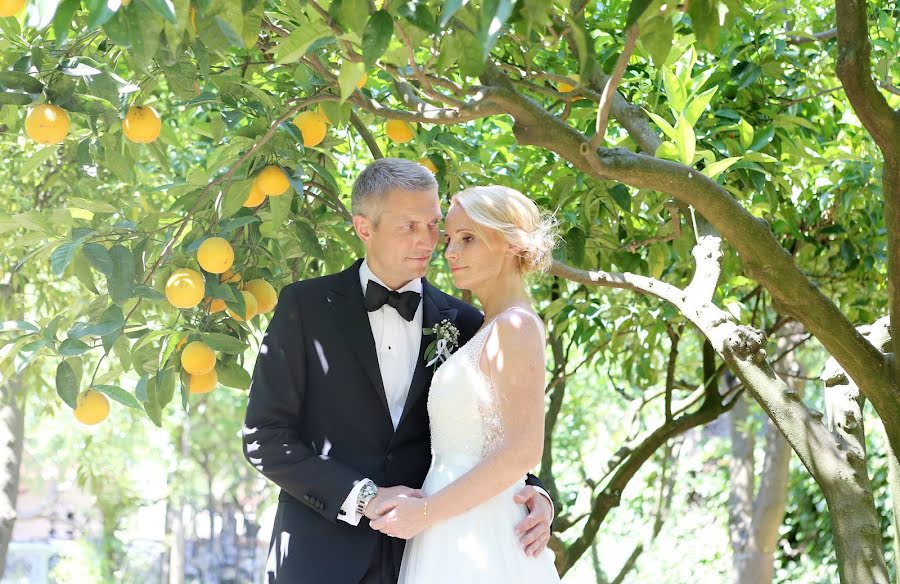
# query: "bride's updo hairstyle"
[[517, 219]]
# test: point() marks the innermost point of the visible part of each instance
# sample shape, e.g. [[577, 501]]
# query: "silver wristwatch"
[[368, 492]]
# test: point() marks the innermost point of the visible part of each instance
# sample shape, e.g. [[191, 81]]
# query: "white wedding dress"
[[480, 545]]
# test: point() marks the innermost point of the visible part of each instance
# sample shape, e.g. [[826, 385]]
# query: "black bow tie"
[[405, 303]]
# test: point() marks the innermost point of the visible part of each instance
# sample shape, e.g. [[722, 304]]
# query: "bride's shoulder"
[[518, 329]]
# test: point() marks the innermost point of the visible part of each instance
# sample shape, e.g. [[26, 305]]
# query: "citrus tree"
[[182, 160]]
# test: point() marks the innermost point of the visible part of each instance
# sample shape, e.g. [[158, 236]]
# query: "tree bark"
[[12, 434], [177, 527]]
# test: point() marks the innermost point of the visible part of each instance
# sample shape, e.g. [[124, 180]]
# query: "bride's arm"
[[515, 355]]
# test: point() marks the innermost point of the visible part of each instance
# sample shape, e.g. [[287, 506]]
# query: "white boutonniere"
[[445, 342]]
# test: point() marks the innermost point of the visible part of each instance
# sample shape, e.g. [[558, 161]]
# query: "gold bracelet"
[[425, 509]]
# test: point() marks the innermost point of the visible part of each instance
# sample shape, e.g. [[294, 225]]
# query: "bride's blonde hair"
[[517, 219]]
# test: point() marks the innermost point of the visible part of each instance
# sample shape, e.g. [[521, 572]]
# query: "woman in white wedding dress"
[[486, 406]]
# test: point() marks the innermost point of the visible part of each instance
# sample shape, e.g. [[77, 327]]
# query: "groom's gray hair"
[[383, 176]]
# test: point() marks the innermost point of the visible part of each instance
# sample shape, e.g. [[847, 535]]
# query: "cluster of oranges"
[[185, 289]]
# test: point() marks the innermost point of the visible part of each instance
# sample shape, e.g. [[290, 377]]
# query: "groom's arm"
[[271, 440], [535, 482]]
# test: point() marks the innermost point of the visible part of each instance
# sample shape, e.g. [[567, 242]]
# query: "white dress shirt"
[[397, 346]]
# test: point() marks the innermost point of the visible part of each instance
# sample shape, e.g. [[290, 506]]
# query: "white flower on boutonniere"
[[445, 342]]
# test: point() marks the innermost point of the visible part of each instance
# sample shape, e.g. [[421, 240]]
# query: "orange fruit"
[[197, 358], [362, 81], [11, 7], [204, 383], [427, 163], [213, 304], [266, 297], [47, 124], [142, 124], [91, 407], [313, 127], [250, 307], [184, 288], [230, 277], [181, 344], [215, 255], [272, 181], [256, 196], [399, 131], [566, 87]]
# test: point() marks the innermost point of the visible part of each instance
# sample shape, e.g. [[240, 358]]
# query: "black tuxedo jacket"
[[318, 422]]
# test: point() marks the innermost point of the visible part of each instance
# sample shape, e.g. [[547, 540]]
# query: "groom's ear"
[[363, 227]]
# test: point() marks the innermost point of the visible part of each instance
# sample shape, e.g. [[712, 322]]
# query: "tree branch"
[[611, 84]]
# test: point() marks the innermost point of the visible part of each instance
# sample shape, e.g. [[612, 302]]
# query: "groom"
[[337, 412]]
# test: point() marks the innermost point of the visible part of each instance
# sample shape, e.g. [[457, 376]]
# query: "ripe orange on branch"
[[91, 407], [312, 126], [203, 383], [272, 181], [11, 7], [197, 358], [184, 288], [250, 307], [47, 124], [215, 255], [427, 163], [256, 197], [266, 297], [142, 124], [399, 131]]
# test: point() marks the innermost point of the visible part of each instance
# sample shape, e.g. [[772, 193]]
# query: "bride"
[[486, 406]]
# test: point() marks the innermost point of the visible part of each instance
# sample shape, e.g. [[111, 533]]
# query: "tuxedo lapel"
[[346, 302], [434, 310]]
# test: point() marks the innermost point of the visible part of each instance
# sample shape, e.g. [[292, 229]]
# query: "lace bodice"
[[463, 405]]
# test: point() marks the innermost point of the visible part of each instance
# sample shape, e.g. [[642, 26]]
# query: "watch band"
[[368, 492]]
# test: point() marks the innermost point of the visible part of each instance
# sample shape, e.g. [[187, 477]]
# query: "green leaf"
[[622, 196], [665, 126], [720, 166], [99, 257], [164, 8], [762, 138], [111, 320], [62, 22], [165, 386], [657, 259], [120, 283], [675, 92], [698, 105], [657, 36], [745, 131], [281, 208], [224, 343], [72, 347], [449, 9], [37, 159], [68, 380], [13, 98], [20, 81], [685, 141], [705, 19], [62, 256], [494, 14], [295, 45], [376, 36], [233, 375], [635, 10], [118, 394], [348, 77]]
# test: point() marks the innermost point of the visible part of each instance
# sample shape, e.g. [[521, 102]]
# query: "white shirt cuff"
[[348, 512], [546, 494]]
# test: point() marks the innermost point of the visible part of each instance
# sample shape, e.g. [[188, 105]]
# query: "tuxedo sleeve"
[[535, 482], [272, 442]]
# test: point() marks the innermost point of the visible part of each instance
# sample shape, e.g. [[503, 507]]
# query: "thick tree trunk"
[[894, 480], [12, 433]]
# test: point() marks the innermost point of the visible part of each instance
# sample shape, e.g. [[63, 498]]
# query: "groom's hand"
[[534, 530], [385, 494]]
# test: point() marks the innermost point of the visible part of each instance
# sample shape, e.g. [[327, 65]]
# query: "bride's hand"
[[402, 517]]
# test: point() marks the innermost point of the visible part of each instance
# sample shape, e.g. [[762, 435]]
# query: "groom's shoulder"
[[466, 313], [313, 286]]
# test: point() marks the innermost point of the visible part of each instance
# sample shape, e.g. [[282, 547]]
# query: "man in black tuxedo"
[[337, 412]]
